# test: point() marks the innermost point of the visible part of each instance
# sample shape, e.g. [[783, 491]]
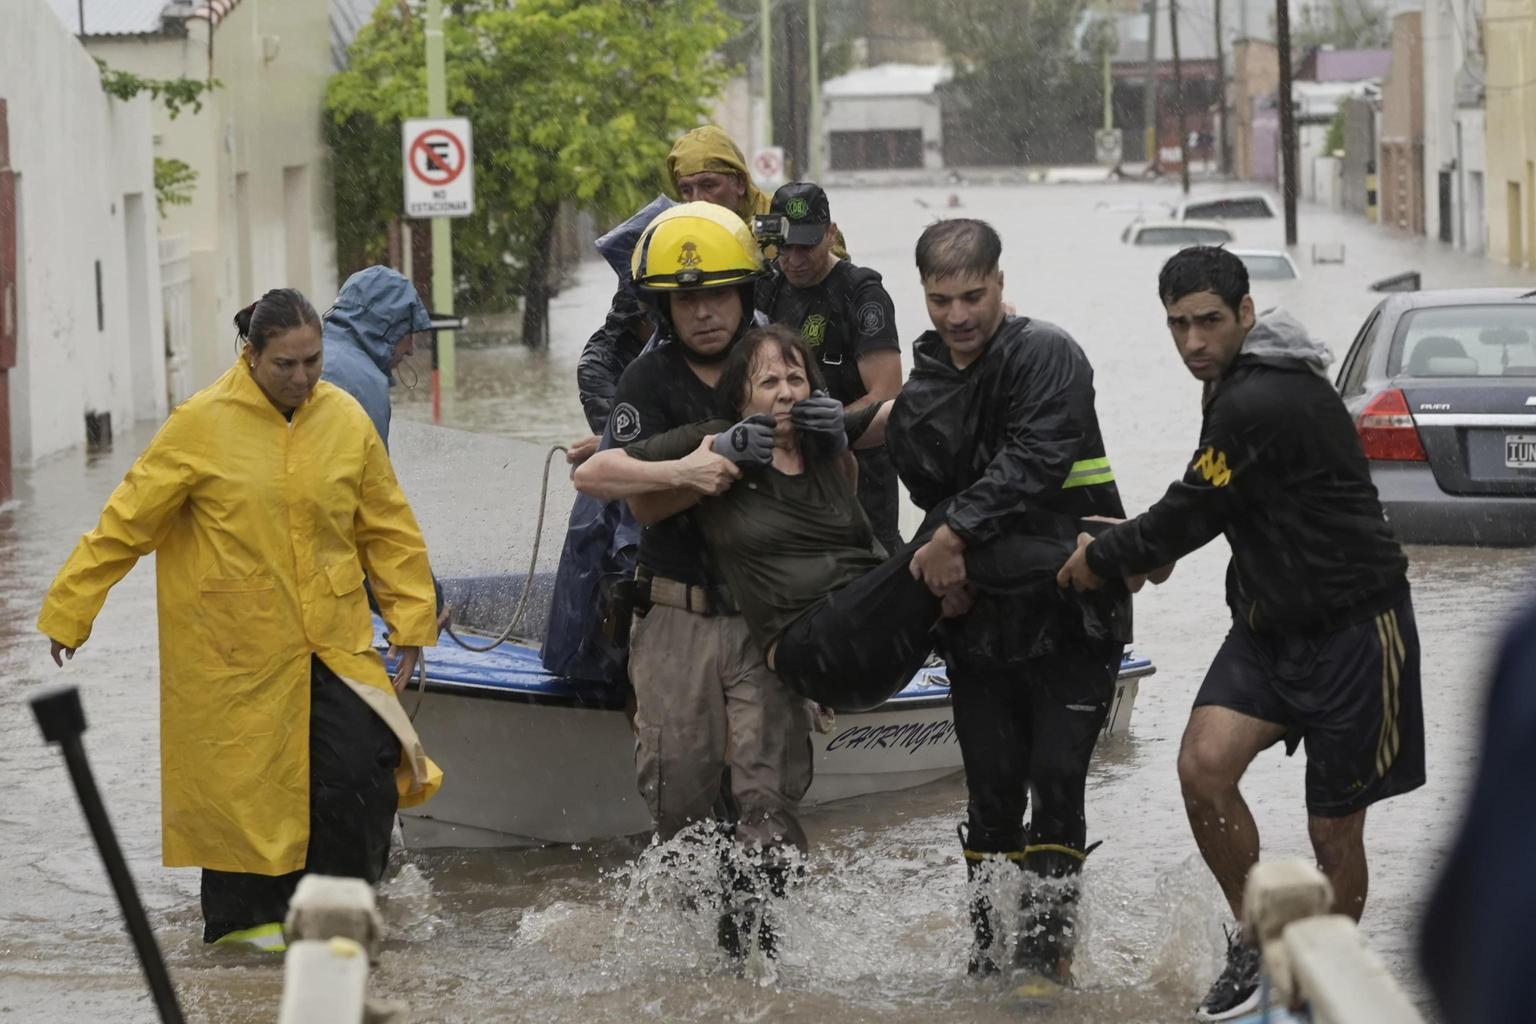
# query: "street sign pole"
[[442, 237]]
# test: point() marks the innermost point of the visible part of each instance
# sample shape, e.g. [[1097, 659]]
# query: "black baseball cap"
[[805, 206]]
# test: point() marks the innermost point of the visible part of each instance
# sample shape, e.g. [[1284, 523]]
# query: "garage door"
[[877, 150]]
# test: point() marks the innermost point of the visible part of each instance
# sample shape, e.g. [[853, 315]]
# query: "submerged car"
[[1228, 207], [1268, 264], [1175, 233], [1442, 385]]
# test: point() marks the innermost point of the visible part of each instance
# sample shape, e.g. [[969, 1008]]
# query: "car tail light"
[[1387, 430]]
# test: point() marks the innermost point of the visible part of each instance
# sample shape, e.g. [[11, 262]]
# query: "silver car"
[[1442, 386]]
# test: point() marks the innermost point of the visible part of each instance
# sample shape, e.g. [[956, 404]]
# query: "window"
[[1222, 209], [1183, 236], [1268, 267], [1466, 341], [1352, 373]]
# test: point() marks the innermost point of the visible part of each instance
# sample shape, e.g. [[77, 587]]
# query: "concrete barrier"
[[1313, 957]]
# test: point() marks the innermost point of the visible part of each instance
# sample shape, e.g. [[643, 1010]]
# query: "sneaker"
[[265, 938], [1236, 992]]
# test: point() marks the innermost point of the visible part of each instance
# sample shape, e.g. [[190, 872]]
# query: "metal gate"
[[176, 297], [9, 300]]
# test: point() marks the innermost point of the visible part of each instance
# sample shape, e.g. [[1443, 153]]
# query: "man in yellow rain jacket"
[[284, 748]]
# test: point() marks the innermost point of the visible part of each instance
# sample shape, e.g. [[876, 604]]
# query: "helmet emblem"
[[689, 257], [797, 208]]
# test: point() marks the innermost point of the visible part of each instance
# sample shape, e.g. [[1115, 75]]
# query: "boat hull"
[[532, 759]]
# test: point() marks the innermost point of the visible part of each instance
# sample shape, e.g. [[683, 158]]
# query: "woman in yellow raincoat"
[[284, 748]]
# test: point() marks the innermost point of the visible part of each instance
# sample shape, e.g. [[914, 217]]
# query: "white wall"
[[1446, 25], [85, 193], [261, 130], [1471, 226]]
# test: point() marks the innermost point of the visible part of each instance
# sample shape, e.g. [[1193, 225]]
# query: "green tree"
[[572, 101], [1344, 24], [1023, 84]]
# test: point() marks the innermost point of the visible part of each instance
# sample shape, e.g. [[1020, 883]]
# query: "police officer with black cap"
[[845, 315]]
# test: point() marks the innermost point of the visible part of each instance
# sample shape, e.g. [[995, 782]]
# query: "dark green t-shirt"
[[781, 542]]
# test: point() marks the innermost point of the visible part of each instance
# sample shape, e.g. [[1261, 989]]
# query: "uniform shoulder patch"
[[871, 318], [626, 422]]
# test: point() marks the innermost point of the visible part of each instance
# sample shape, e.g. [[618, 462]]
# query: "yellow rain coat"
[[709, 148], [263, 530]]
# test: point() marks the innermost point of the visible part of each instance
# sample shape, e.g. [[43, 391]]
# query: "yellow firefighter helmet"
[[695, 245]]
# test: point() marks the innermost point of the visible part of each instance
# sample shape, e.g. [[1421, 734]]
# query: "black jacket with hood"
[[1281, 472], [1013, 440]]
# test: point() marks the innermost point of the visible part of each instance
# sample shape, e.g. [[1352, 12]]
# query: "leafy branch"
[[173, 183], [175, 93]]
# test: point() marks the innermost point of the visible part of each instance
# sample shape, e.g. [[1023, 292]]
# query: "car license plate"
[[1520, 451]]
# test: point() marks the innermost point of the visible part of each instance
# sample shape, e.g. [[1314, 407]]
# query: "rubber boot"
[[986, 931], [745, 920], [1048, 925]]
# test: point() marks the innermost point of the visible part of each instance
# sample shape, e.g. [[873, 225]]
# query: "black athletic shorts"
[[1352, 696]]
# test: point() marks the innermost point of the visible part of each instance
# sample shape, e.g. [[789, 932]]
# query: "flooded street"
[[878, 931]]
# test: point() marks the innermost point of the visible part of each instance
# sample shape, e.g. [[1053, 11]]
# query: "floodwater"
[[878, 931]]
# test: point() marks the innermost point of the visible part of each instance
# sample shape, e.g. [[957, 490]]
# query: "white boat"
[[531, 758]]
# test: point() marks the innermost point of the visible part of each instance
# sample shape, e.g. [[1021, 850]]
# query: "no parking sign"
[[439, 167]]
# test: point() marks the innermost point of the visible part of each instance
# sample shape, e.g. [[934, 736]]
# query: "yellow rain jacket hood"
[[709, 148], [263, 529]]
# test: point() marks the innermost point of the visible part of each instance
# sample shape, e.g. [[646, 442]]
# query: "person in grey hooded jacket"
[[368, 331]]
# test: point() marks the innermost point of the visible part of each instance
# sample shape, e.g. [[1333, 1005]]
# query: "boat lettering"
[[911, 737]]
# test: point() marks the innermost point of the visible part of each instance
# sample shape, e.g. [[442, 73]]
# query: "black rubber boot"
[[1048, 927], [986, 931], [745, 918]]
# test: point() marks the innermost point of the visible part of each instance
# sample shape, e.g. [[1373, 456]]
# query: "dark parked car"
[[1442, 385]]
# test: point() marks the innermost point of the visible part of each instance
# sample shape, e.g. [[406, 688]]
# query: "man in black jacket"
[[1322, 646], [995, 432]]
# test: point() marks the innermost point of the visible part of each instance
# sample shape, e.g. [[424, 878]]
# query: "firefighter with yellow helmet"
[[705, 699]]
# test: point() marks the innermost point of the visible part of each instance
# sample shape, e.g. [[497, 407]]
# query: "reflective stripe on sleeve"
[[1086, 472]]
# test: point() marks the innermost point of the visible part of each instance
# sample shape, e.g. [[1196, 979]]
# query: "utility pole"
[[1287, 120], [765, 30], [1178, 92], [813, 143], [1223, 151], [1149, 91], [442, 237]]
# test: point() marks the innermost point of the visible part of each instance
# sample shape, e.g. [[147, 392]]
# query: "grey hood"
[[1278, 336]]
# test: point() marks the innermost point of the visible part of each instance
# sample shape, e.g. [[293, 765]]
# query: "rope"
[[522, 601]]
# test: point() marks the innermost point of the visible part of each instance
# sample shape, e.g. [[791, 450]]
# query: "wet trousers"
[[352, 804], [1032, 729], [705, 701], [861, 644]]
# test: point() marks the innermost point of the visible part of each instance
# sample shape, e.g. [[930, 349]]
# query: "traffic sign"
[[768, 166], [439, 167], [1108, 146]]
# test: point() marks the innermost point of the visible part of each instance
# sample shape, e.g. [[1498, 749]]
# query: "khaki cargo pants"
[[704, 700]]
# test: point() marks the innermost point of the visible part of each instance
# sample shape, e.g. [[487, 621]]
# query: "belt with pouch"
[[691, 597]]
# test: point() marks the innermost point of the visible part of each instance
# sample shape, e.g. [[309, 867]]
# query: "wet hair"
[[957, 248], [1203, 268], [736, 375], [278, 311]]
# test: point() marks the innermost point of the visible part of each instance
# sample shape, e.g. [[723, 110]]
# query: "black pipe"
[[62, 720]]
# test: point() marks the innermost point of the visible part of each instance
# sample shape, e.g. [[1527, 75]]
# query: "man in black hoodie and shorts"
[[1322, 647]]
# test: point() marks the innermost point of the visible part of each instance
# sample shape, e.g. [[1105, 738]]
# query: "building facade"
[[1400, 169], [260, 212], [1511, 130], [81, 344], [1455, 167]]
